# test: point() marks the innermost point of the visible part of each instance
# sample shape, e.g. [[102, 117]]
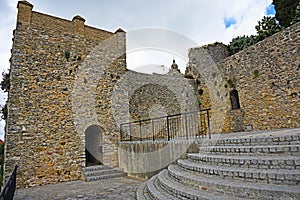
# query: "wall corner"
[[24, 12]]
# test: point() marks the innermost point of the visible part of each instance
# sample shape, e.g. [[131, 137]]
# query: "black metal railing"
[[10, 187], [178, 126]]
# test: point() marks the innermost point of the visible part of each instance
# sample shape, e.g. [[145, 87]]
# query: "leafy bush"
[[67, 55], [5, 83]]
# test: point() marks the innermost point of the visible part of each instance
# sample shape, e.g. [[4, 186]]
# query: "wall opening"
[[234, 98], [93, 145]]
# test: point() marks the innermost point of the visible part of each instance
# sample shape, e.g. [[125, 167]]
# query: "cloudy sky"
[[198, 22]]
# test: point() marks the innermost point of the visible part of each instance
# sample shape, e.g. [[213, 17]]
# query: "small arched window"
[[234, 98]]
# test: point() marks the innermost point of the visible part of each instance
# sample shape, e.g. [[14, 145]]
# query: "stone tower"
[[53, 64]]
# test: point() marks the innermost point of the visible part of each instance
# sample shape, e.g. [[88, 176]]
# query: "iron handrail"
[[173, 115], [190, 123], [10, 187]]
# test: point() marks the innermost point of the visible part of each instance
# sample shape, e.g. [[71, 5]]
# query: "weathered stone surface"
[[115, 188], [41, 135], [200, 176], [266, 76], [67, 77]]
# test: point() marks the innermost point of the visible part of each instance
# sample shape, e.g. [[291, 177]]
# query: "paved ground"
[[115, 188]]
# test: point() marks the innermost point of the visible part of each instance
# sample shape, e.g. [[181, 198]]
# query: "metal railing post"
[[121, 133], [152, 129], [140, 130], [130, 139], [186, 127], [208, 123], [168, 128]]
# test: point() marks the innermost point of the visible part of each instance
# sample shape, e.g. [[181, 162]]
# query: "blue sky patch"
[[229, 21], [270, 10]]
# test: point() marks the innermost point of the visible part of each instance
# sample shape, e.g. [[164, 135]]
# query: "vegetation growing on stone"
[[67, 55], [231, 82], [255, 73]]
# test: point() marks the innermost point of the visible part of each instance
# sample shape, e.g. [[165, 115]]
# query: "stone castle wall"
[[54, 99], [43, 137], [266, 77], [142, 96], [67, 77]]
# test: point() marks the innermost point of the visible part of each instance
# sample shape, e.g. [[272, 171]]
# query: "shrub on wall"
[[67, 55]]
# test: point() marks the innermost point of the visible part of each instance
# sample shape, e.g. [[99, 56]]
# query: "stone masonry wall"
[[42, 135], [266, 76], [140, 96], [66, 76]]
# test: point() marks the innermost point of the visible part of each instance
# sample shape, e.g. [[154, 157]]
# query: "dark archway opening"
[[93, 145]]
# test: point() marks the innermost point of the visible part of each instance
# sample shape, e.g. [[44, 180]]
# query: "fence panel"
[[178, 126]]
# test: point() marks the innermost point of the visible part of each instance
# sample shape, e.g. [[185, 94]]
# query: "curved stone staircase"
[[257, 166]]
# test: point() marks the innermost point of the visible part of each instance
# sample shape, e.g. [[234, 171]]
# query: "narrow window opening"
[[234, 98]]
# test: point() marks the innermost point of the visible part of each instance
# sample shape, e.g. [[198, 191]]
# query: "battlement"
[[28, 17]]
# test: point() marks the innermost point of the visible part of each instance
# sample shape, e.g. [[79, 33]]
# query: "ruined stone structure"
[[70, 90], [63, 105], [260, 86]]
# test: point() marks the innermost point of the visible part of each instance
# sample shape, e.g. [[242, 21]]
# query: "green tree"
[[266, 27], [4, 111], [285, 11], [5, 86], [5, 83], [240, 43], [1, 162], [297, 14]]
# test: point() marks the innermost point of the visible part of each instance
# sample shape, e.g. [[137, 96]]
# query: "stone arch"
[[93, 145], [153, 101], [234, 99], [153, 97]]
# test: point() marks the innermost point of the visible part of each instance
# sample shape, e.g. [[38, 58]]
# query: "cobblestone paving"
[[115, 188]]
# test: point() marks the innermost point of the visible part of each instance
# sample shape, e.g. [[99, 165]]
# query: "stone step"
[[105, 176], [255, 150], [156, 192], [273, 176], [260, 165], [142, 192], [183, 191], [259, 162], [95, 168], [257, 140], [99, 172], [236, 188]]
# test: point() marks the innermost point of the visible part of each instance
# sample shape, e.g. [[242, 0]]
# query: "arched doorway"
[[93, 145]]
